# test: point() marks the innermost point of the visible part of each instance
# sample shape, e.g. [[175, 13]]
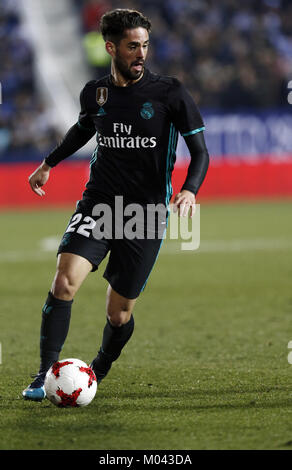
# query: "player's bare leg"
[[117, 331], [70, 274], [118, 308]]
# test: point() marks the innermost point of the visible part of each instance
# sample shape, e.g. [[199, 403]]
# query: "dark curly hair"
[[114, 23]]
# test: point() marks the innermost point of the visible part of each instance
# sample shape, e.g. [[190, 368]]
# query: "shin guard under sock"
[[56, 315], [113, 341]]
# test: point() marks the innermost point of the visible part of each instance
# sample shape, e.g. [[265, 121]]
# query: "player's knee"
[[63, 286], [118, 317]]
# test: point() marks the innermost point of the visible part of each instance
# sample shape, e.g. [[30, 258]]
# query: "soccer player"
[[136, 116]]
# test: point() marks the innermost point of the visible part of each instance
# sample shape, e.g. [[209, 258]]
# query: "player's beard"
[[125, 70]]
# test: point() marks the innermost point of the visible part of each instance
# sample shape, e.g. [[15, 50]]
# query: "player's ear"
[[110, 48]]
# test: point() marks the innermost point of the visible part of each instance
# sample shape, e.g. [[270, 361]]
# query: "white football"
[[70, 382]]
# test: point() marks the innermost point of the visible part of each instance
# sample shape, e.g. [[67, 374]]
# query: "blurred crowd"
[[25, 123], [229, 54]]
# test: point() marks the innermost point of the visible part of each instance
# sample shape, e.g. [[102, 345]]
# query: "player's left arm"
[[185, 200], [188, 121]]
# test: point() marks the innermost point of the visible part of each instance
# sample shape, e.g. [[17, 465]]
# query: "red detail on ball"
[[57, 366], [91, 374], [68, 400]]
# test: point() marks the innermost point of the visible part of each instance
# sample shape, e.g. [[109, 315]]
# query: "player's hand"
[[185, 202], [38, 178]]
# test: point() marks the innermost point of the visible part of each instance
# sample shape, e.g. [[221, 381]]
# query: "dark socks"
[[113, 341], [56, 315]]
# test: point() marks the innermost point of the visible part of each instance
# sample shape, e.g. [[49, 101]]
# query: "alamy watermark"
[[289, 96], [290, 353], [135, 221]]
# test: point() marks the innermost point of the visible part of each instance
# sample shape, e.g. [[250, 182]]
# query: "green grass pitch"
[[207, 366]]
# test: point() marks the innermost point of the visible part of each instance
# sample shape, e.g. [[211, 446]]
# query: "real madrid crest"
[[147, 111], [101, 99]]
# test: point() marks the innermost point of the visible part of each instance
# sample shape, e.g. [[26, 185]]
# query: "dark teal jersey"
[[137, 131]]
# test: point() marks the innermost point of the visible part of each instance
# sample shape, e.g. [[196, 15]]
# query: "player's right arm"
[[77, 136], [38, 178]]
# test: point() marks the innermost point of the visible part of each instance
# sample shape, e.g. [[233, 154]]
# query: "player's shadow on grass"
[[102, 410], [227, 399], [259, 398], [153, 391]]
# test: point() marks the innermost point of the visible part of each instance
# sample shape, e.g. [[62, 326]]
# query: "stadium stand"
[[230, 56], [26, 125], [236, 60]]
